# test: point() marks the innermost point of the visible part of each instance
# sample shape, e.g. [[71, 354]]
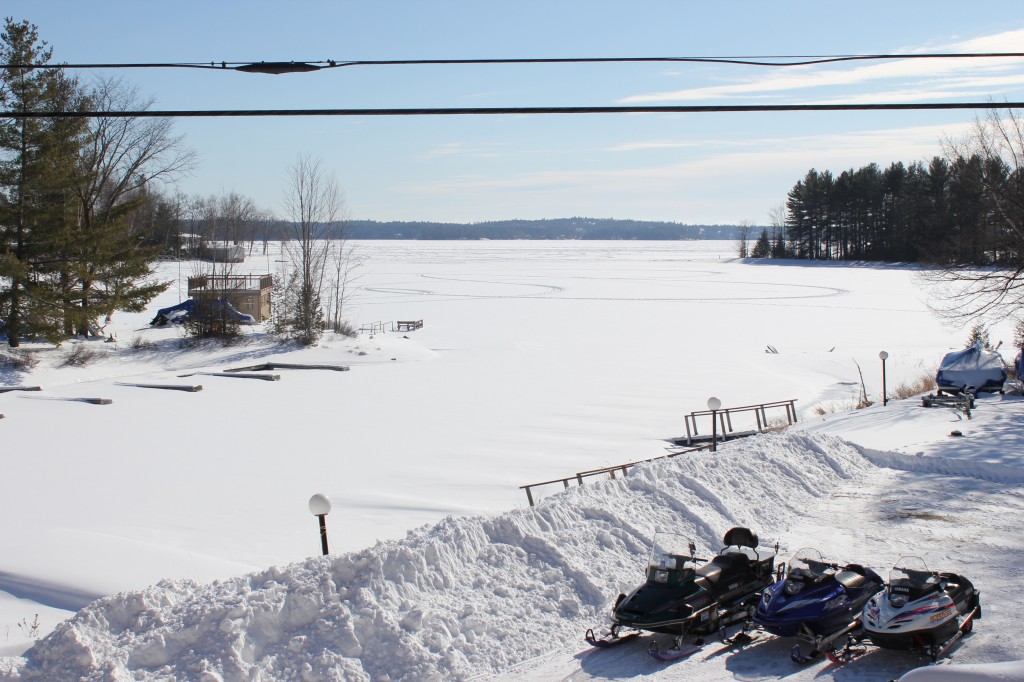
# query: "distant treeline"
[[948, 211], [554, 228]]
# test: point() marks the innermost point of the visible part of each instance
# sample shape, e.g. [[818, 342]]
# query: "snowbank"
[[1009, 671], [463, 597]]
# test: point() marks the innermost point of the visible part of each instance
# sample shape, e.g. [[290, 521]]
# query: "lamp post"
[[714, 404], [320, 507], [883, 356]]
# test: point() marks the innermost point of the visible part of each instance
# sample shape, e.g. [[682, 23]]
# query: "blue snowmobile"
[[817, 602]]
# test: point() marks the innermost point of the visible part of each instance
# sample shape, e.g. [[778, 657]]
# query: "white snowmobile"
[[921, 610]]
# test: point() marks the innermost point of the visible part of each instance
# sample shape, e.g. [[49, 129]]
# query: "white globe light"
[[714, 404], [883, 355], [320, 505]]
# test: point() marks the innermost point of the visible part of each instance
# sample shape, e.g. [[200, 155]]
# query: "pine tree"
[[37, 158], [979, 336], [1018, 334], [763, 246]]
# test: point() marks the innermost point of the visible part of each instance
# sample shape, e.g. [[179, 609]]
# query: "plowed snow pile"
[[467, 596]]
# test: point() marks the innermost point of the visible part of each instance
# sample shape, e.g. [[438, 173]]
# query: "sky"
[[714, 168]]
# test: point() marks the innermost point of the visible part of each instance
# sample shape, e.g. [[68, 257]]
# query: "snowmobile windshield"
[[910, 580], [671, 551], [805, 568], [808, 561]]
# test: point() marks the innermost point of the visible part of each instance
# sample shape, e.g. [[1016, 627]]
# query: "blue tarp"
[[179, 313], [975, 367], [175, 313]]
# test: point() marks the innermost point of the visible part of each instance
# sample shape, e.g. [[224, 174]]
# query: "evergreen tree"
[[1018, 335], [71, 245], [979, 336], [37, 157], [762, 247]]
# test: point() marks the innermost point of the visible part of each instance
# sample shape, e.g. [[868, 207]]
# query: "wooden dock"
[[694, 441], [724, 430], [407, 325]]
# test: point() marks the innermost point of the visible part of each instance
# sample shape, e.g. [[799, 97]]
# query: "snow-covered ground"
[[536, 360]]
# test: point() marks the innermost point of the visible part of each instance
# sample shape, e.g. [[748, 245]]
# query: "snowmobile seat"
[[740, 537], [723, 564], [850, 580], [710, 572]]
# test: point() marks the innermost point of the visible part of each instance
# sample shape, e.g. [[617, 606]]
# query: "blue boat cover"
[[975, 367]]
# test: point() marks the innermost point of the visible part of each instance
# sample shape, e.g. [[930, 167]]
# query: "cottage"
[[250, 294]]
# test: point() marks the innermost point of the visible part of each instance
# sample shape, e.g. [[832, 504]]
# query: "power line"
[[492, 111], [279, 67]]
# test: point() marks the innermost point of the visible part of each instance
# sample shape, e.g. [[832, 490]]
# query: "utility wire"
[[316, 65], [491, 111]]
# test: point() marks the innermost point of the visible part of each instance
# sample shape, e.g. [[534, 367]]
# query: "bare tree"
[[744, 231], [965, 292], [107, 268], [313, 203], [777, 219], [344, 266]]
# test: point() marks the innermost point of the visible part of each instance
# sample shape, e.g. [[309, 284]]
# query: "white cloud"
[[652, 144], [946, 75], [771, 160], [461, 149]]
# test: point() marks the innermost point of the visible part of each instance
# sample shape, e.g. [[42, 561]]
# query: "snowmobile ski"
[[677, 651], [821, 644], [608, 639], [745, 635], [852, 650]]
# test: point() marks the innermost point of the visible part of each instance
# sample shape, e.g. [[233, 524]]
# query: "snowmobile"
[[681, 597], [817, 602], [921, 610]]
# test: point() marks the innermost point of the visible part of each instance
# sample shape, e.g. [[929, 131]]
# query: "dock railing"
[[610, 471], [725, 429]]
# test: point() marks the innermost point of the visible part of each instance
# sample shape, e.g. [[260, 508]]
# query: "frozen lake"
[[536, 360]]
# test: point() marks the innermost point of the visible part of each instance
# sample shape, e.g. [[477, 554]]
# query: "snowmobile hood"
[[807, 604], [930, 612], [655, 604]]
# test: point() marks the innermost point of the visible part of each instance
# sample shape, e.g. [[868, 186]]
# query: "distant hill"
[[553, 228]]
